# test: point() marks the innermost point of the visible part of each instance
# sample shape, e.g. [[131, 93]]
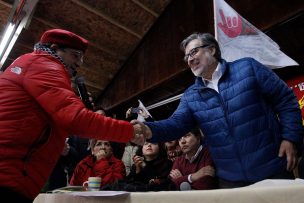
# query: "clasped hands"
[[141, 132]]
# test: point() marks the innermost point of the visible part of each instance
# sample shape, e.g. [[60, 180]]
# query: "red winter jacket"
[[110, 170], [38, 110]]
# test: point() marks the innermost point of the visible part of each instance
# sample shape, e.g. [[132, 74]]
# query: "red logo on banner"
[[297, 85], [231, 25]]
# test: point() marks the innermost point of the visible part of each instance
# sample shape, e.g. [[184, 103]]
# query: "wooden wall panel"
[[158, 58], [4, 14]]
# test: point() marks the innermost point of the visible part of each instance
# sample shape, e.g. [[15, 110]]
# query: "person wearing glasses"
[[250, 118], [39, 110]]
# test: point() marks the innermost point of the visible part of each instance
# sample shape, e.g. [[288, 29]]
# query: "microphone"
[[79, 80], [185, 186]]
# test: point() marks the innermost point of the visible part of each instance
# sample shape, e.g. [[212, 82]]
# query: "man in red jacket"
[[39, 109]]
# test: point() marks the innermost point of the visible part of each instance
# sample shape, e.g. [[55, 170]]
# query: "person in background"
[[134, 113], [39, 110], [148, 173], [194, 170], [64, 167], [173, 149], [101, 163], [127, 158], [118, 146], [250, 118], [131, 148], [75, 149], [152, 167]]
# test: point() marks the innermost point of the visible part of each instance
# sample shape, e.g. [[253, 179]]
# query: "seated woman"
[[149, 172], [100, 163]]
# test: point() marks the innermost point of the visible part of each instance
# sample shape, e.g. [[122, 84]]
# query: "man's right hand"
[[141, 132]]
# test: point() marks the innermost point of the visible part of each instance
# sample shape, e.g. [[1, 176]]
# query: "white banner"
[[238, 38]]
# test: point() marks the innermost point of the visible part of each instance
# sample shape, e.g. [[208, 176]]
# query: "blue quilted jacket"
[[243, 124]]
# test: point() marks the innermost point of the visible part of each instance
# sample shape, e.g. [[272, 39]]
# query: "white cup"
[[92, 184]]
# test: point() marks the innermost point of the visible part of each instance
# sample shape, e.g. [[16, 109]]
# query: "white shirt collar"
[[195, 155], [216, 75]]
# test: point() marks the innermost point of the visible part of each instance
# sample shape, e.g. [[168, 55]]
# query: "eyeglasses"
[[76, 53], [194, 51]]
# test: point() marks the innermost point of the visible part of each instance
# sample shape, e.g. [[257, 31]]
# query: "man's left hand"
[[288, 148]]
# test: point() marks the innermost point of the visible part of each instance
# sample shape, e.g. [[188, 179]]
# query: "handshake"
[[141, 132]]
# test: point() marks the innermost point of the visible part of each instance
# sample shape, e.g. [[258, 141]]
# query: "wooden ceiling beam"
[[93, 85], [145, 8], [30, 48], [114, 22], [6, 4], [115, 55]]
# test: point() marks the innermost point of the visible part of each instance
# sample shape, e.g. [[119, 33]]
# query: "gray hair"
[[92, 143], [205, 38]]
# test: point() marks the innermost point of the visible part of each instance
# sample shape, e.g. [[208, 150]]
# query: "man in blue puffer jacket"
[[250, 118]]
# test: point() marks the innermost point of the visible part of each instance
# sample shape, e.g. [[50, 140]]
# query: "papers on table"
[[99, 193], [81, 191], [68, 189]]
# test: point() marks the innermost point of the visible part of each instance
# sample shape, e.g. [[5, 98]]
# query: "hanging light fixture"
[[20, 17], [6, 38]]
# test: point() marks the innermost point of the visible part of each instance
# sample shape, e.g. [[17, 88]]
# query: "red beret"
[[64, 37]]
